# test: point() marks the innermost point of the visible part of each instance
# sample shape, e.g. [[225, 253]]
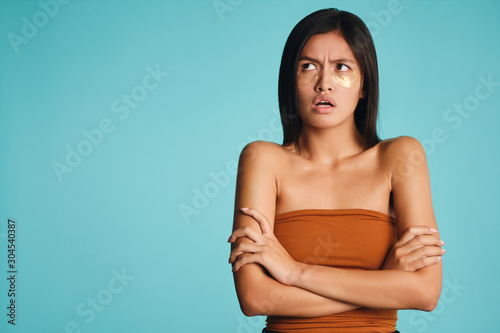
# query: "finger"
[[243, 248], [422, 240], [249, 232], [243, 260], [414, 231], [425, 262], [265, 226], [426, 251], [424, 256]]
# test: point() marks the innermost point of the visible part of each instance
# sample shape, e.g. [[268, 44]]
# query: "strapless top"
[[343, 238]]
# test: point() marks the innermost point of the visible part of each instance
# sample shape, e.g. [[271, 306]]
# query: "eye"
[[342, 67], [307, 66]]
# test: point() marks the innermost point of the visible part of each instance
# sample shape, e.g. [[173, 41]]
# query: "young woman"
[[334, 230]]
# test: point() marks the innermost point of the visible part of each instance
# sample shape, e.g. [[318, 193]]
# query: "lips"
[[324, 101]]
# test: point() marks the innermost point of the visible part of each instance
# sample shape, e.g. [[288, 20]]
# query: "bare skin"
[[333, 169]]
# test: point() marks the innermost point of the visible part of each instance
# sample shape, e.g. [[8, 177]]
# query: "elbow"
[[426, 290], [252, 289], [428, 298], [249, 306], [429, 303], [249, 311]]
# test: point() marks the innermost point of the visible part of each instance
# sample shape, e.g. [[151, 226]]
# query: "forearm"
[[260, 294], [385, 289]]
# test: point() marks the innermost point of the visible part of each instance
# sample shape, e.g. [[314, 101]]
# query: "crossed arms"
[[269, 282]]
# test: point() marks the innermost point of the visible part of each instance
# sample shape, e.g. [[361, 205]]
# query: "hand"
[[418, 247], [265, 250]]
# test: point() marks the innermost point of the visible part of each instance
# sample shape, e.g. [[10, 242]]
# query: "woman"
[[334, 230]]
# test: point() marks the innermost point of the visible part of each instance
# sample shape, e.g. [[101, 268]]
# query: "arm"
[[259, 293], [392, 289], [417, 282]]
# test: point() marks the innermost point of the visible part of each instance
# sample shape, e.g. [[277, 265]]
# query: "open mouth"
[[324, 104]]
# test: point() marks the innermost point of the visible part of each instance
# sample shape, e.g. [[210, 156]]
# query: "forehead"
[[327, 46]]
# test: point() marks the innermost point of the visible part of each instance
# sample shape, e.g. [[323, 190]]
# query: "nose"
[[325, 80]]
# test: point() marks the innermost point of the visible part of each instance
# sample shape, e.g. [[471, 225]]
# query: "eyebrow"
[[341, 60]]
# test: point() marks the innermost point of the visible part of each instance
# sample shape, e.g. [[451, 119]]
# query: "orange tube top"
[[343, 238]]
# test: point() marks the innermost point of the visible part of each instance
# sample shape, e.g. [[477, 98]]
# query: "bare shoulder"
[[402, 148], [262, 152], [404, 156], [257, 179]]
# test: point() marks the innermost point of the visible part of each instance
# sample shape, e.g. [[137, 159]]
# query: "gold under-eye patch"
[[342, 75]]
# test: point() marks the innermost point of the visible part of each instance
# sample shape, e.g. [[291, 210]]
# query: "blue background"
[[120, 209]]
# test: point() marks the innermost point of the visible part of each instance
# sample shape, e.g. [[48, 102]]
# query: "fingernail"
[[443, 250], [439, 258], [433, 230], [244, 209], [442, 243]]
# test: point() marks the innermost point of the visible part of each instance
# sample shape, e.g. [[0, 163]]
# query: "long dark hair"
[[359, 39]]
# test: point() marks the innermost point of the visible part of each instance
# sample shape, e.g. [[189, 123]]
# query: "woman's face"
[[329, 81]]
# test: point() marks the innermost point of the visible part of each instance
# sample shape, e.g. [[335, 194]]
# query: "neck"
[[330, 146]]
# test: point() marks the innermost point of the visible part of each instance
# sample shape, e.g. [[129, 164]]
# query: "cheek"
[[354, 93], [354, 98], [302, 98]]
